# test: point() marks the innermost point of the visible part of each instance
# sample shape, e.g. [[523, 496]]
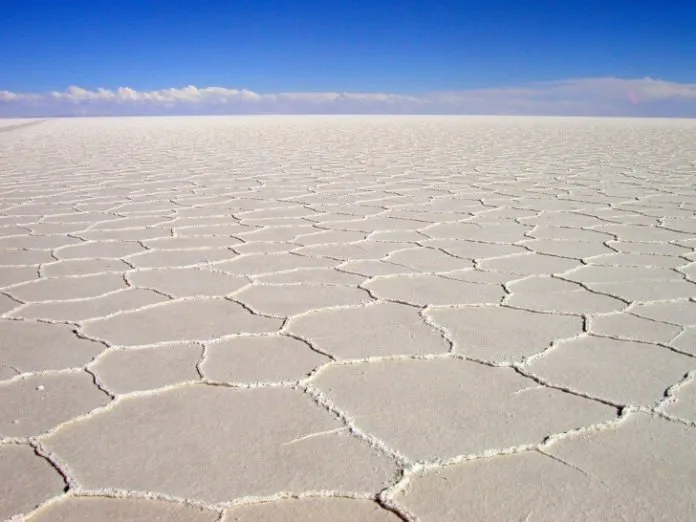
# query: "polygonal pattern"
[[349, 318]]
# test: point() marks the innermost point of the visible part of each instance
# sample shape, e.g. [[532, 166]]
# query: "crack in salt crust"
[[330, 291]]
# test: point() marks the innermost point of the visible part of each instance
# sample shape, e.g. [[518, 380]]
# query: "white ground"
[[348, 318]]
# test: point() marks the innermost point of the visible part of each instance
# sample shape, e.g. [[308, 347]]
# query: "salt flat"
[[348, 318]]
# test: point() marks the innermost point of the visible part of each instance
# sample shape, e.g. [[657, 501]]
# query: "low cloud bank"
[[577, 97]]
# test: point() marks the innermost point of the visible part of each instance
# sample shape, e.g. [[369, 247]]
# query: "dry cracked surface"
[[348, 318]]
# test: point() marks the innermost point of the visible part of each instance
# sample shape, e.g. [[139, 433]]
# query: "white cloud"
[[7, 96], [584, 96], [189, 94], [645, 89]]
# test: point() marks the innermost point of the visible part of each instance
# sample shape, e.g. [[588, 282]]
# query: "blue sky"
[[407, 47]]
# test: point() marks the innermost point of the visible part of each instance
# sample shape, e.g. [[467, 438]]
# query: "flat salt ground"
[[354, 318]]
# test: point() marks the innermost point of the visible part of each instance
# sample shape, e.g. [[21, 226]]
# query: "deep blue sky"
[[349, 45]]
